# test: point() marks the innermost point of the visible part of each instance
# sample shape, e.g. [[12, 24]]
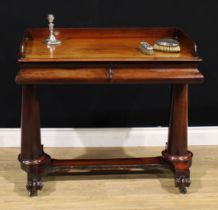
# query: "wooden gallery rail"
[[102, 56]]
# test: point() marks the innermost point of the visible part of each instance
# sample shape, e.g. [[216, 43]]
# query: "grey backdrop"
[[104, 105]]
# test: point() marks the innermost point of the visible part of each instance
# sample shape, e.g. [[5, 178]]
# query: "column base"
[[180, 166], [35, 169]]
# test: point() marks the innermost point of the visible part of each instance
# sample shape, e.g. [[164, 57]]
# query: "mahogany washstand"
[[105, 56]]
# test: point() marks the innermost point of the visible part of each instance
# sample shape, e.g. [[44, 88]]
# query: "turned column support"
[[32, 158], [30, 124], [177, 153], [178, 125]]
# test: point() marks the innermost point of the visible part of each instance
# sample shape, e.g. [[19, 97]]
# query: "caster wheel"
[[182, 182], [183, 190], [33, 185]]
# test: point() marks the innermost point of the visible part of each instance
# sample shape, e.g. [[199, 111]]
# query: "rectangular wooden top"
[[103, 44]]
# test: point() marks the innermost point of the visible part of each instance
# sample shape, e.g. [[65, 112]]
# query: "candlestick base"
[[52, 40]]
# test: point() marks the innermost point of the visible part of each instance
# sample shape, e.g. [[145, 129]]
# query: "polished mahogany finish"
[[105, 56], [117, 75], [107, 44]]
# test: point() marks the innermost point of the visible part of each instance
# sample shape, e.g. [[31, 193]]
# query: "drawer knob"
[[110, 74]]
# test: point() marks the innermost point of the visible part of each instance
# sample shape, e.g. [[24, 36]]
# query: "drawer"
[[153, 75], [107, 75], [62, 76]]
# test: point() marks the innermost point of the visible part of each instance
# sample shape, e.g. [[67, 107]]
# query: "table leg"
[[33, 160], [176, 152]]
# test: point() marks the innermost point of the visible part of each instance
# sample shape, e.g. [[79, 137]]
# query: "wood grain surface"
[[103, 75], [103, 44]]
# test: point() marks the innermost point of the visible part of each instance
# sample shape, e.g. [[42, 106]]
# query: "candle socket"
[[51, 40]]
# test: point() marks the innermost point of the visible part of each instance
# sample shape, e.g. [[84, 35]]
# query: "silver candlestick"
[[51, 39]]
